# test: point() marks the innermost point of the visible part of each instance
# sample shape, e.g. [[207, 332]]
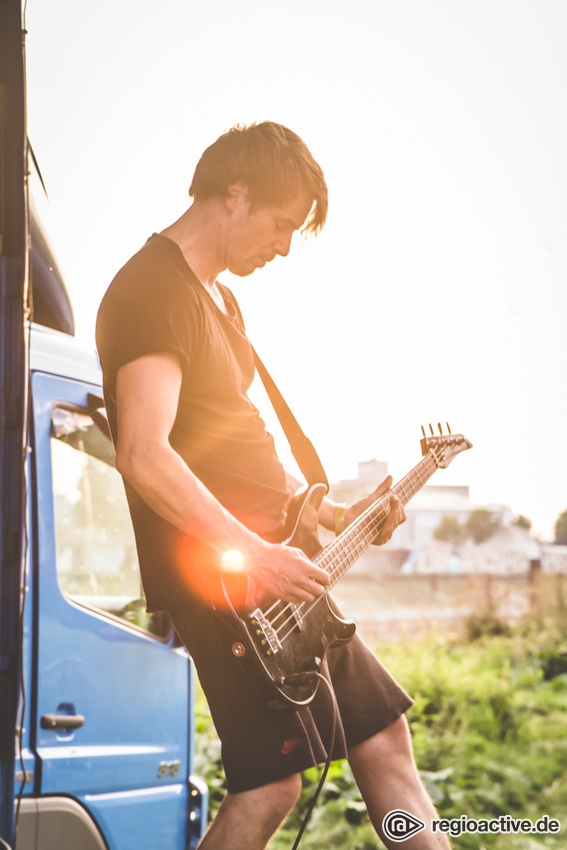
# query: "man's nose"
[[282, 245]]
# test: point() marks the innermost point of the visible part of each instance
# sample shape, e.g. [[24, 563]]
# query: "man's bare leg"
[[247, 821], [386, 774]]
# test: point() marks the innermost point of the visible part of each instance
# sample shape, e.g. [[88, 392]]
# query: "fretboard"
[[339, 556]]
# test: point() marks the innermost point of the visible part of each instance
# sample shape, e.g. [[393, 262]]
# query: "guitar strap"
[[301, 447]]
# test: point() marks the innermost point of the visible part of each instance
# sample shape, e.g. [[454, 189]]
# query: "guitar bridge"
[[264, 633]]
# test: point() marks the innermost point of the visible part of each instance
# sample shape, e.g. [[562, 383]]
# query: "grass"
[[489, 728]]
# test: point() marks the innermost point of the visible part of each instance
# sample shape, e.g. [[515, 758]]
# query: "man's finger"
[[383, 487], [395, 518]]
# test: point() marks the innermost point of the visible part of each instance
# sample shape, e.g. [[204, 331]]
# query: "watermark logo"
[[399, 825]]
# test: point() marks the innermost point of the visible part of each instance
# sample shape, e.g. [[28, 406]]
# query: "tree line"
[[482, 524]]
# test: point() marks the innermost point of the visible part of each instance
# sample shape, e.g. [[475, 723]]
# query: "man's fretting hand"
[[396, 515]]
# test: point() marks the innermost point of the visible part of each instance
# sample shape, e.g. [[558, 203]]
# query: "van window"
[[97, 564]]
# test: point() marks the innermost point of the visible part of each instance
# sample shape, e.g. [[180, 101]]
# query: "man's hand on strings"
[[396, 515], [284, 572]]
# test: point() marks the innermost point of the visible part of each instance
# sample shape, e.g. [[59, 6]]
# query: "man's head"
[[271, 161]]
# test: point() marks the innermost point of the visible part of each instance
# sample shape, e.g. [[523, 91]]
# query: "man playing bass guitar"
[[203, 479]]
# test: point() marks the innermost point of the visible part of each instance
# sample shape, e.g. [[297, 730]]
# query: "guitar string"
[[366, 527]]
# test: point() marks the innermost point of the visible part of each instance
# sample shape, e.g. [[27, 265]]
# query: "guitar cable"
[[319, 788]]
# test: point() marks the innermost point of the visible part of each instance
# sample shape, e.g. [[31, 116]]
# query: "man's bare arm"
[[147, 394]]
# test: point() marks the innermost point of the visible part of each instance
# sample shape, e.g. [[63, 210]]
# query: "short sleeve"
[[149, 308]]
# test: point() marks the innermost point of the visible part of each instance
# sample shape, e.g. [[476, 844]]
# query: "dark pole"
[[13, 389]]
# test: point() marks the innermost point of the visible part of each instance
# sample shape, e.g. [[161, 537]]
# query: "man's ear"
[[237, 193]]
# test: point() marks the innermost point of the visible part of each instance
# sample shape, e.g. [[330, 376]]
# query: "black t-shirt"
[[156, 304]]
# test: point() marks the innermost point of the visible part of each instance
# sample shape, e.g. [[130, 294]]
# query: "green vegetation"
[[489, 726], [522, 522], [450, 530], [480, 525], [561, 528]]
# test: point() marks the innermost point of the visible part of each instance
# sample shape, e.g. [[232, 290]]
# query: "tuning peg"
[[448, 428], [422, 430], [431, 429], [440, 428]]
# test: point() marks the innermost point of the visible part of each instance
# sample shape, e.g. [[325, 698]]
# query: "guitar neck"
[[339, 556]]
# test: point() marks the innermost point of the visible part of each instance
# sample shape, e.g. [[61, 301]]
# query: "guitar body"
[[284, 671]]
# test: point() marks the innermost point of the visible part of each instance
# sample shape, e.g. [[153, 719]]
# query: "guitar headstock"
[[443, 447]]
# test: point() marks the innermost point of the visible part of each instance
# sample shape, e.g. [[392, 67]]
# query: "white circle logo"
[[399, 825]]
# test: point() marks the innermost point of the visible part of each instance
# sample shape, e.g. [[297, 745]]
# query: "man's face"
[[256, 235]]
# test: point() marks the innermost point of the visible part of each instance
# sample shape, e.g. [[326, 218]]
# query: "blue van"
[[105, 745], [96, 706]]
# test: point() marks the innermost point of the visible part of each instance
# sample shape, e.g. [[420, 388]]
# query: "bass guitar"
[[281, 645]]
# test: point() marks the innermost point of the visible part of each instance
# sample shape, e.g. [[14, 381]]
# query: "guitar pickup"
[[264, 633]]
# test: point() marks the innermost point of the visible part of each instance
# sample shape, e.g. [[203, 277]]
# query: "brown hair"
[[272, 161]]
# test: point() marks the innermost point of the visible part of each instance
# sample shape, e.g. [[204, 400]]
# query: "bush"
[[450, 530], [481, 525]]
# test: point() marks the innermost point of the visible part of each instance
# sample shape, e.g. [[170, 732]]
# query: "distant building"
[[427, 509], [371, 473], [413, 549]]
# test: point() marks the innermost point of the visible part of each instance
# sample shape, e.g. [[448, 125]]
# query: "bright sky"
[[438, 289]]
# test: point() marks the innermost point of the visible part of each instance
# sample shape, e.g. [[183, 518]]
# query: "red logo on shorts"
[[289, 745]]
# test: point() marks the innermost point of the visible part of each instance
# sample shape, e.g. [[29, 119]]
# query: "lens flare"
[[233, 561]]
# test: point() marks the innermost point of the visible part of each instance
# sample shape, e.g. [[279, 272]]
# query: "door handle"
[[62, 721]]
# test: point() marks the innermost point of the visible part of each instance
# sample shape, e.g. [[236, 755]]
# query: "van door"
[[113, 699]]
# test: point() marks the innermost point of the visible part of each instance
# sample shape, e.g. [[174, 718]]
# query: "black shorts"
[[261, 744]]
